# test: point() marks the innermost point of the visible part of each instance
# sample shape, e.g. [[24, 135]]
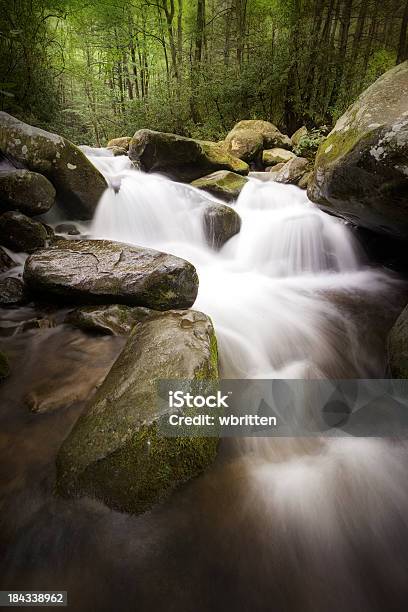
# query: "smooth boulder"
[[29, 192], [114, 452], [21, 233], [111, 272], [361, 168], [266, 133], [180, 158], [78, 183], [398, 346], [111, 319], [293, 171], [122, 143], [220, 224], [244, 143], [298, 135], [272, 157], [222, 184]]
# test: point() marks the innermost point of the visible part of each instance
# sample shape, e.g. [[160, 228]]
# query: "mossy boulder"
[[111, 272], [29, 192], [298, 135], [262, 132], [117, 151], [222, 184], [12, 291], [220, 224], [78, 183], [111, 319], [122, 143], [361, 167], [271, 157], [180, 158], [21, 233], [398, 346], [244, 143], [114, 452], [6, 262], [4, 366]]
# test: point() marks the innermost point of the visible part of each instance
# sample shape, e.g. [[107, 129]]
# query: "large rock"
[[220, 224], [6, 263], [29, 192], [20, 233], [111, 319], [222, 184], [262, 132], [110, 272], [361, 171], [78, 183], [114, 452], [293, 171], [11, 291], [122, 143], [183, 159], [244, 143], [398, 346], [272, 157]]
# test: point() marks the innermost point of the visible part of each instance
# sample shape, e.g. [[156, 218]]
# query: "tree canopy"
[[96, 70]]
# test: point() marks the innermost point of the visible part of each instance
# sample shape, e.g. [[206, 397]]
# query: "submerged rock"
[[29, 192], [11, 291], [220, 224], [222, 184], [113, 319], [6, 263], [20, 233], [398, 346], [180, 158], [114, 452], [271, 157], [4, 366], [78, 183], [361, 170], [110, 272], [122, 143]]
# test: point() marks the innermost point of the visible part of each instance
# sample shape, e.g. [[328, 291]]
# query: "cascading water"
[[271, 290], [279, 525]]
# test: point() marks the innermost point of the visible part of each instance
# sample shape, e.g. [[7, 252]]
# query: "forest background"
[[92, 71]]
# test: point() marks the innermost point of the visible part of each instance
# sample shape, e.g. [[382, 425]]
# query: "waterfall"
[[277, 292]]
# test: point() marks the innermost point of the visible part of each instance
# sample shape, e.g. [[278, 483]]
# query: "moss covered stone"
[[183, 159], [361, 167], [267, 133], [122, 143], [29, 192], [222, 184], [20, 233], [398, 346], [111, 319], [271, 157], [78, 183], [102, 271], [115, 452]]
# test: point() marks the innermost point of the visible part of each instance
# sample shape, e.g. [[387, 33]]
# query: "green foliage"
[[309, 144], [94, 71]]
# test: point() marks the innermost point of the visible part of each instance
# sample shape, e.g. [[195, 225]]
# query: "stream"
[[302, 525]]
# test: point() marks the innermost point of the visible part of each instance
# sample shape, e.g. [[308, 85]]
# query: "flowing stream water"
[[303, 525]]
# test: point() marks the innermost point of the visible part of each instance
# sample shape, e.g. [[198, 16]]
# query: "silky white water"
[[271, 291]]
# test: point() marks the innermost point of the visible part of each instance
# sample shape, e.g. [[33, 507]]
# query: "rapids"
[[276, 525]]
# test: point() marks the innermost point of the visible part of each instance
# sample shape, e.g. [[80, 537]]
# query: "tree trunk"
[[402, 54]]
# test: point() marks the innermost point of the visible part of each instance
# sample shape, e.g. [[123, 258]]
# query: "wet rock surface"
[[21, 233], [29, 192]]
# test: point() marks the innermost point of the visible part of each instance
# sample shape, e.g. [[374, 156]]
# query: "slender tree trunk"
[[403, 42]]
